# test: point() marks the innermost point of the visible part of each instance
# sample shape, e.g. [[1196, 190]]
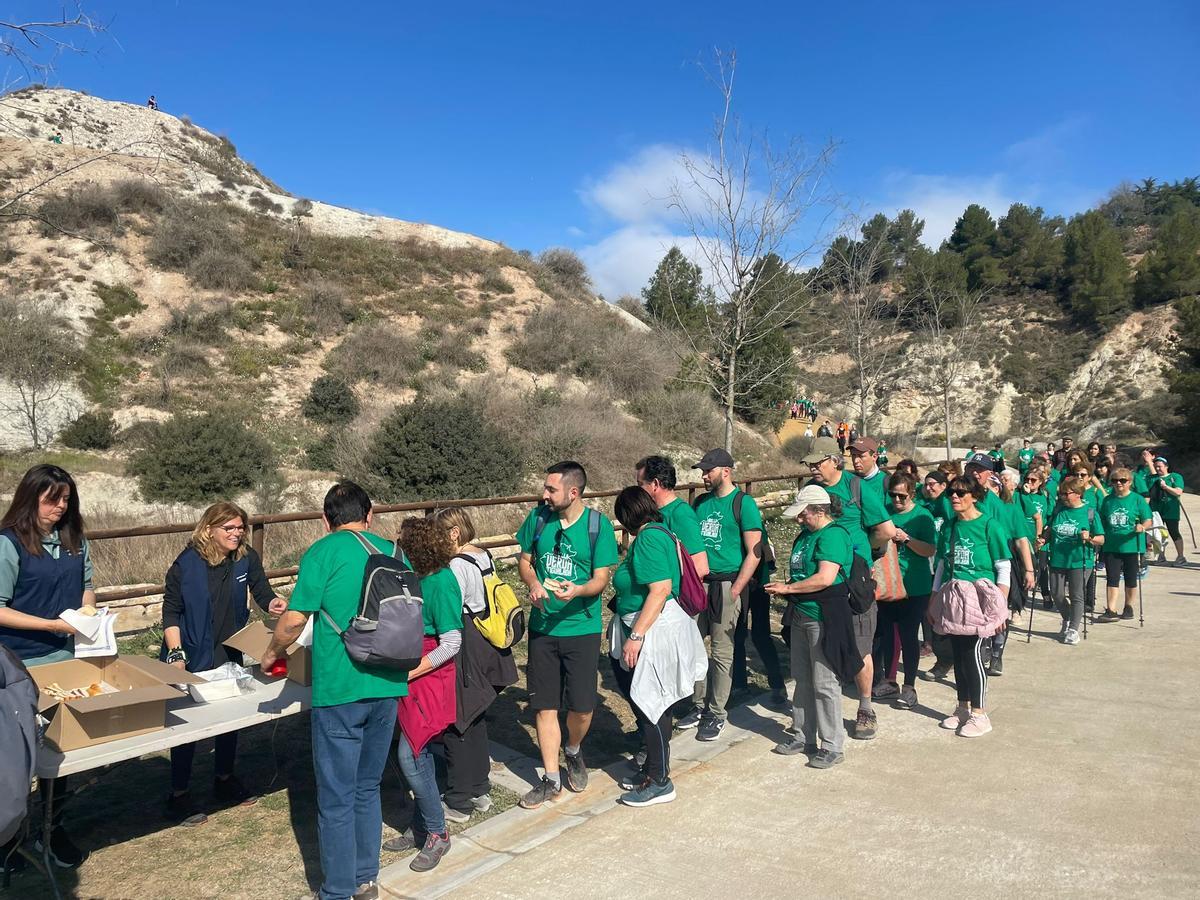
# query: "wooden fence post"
[[258, 539]]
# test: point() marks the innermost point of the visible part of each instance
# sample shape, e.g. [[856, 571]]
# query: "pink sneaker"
[[976, 726], [957, 719]]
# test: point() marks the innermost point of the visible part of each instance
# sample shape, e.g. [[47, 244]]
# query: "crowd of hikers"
[[803, 408], [886, 569]]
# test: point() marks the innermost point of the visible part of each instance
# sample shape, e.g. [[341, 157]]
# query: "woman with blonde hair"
[[204, 604]]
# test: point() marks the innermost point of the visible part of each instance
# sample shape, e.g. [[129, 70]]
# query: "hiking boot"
[[866, 726], [231, 792], [63, 852], [691, 720], [457, 816], [826, 759], [652, 793], [368, 891], [1071, 637], [937, 673], [1127, 613], [997, 666], [1108, 616], [402, 843], [907, 698], [544, 791], [885, 690], [710, 729], [577, 773], [976, 726], [181, 809], [958, 718], [778, 701], [436, 846], [794, 746]]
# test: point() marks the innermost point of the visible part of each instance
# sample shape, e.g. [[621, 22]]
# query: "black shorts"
[[1118, 565], [563, 664]]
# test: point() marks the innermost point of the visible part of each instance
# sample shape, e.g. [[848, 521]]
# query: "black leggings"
[[225, 747], [655, 735], [1121, 565], [755, 621], [906, 615], [1173, 529], [970, 678]]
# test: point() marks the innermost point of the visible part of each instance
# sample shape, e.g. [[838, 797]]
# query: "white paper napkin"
[[97, 634]]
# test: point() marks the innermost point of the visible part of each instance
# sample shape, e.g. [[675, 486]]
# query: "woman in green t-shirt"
[[915, 538], [655, 649], [821, 555], [1126, 517], [429, 709], [972, 570], [1166, 487], [1074, 531], [1035, 504]]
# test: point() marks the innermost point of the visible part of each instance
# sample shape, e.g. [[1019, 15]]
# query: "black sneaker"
[[577, 773], [436, 846], [63, 852], [1127, 613], [181, 809], [937, 673], [634, 782], [779, 701], [1109, 616], [997, 666], [542, 792], [794, 746], [231, 792], [368, 891], [825, 759], [691, 720], [710, 729], [403, 842]]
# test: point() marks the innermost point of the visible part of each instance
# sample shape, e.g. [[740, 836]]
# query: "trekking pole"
[[1141, 617]]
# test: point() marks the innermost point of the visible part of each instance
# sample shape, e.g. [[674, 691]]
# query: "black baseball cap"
[[715, 459], [982, 460]]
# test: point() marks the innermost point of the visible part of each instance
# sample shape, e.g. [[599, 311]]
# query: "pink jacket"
[[969, 607]]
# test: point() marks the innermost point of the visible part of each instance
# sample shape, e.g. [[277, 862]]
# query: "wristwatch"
[[634, 636], [176, 655]]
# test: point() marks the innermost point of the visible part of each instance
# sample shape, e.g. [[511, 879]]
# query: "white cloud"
[[638, 190], [1047, 148], [941, 199]]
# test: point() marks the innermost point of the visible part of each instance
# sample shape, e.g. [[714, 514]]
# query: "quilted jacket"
[[969, 607]]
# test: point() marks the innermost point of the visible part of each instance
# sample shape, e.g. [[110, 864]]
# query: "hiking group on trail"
[[415, 634]]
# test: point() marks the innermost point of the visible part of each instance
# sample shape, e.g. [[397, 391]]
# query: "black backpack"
[[389, 630], [768, 549], [858, 579], [18, 742]]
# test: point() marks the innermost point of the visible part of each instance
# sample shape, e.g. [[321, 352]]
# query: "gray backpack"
[[18, 742], [389, 630]]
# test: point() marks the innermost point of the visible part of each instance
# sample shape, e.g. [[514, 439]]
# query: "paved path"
[[1088, 786]]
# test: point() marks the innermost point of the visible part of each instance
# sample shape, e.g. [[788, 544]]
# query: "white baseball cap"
[[809, 495]]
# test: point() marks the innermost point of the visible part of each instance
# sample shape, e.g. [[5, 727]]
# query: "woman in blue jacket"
[[204, 604]]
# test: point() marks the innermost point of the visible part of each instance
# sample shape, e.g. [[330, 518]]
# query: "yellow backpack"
[[502, 621]]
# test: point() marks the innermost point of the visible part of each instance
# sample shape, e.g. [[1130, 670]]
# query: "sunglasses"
[[895, 496], [1120, 481], [958, 492]]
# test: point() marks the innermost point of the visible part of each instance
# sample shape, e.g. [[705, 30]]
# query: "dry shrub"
[[200, 239], [320, 308], [80, 209], [139, 195], [686, 416], [380, 352]]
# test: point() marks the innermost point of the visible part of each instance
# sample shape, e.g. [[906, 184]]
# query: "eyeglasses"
[[958, 492], [1120, 481], [232, 529], [898, 496]]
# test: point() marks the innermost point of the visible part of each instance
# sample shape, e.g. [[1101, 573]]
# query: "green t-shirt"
[[1067, 550], [565, 555], [933, 505], [969, 548], [1024, 458], [1120, 516], [652, 557], [914, 568], [1012, 516], [1163, 503], [330, 579], [719, 529], [998, 456], [830, 544], [1052, 482], [858, 520], [1093, 497], [441, 602], [1141, 480], [1031, 505], [681, 520]]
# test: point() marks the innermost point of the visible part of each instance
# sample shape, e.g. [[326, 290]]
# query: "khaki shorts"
[[864, 630]]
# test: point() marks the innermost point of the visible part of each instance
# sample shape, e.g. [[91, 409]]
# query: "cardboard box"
[[253, 641], [137, 706]]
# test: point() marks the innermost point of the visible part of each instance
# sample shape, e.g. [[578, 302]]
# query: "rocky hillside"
[[187, 281]]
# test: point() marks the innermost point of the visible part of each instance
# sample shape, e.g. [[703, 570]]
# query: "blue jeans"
[[421, 775], [350, 745]]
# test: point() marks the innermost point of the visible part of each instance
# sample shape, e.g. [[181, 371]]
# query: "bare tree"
[[35, 46], [744, 200], [948, 316], [869, 317], [37, 359]]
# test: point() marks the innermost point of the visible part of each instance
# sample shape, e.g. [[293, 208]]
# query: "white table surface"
[[187, 721]]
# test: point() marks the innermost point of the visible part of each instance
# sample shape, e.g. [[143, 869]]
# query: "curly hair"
[[427, 544]]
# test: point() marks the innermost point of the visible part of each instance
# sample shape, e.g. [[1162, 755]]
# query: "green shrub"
[[116, 301], [91, 431], [446, 449], [200, 459], [495, 283], [379, 352], [220, 271], [319, 455], [330, 401], [319, 308]]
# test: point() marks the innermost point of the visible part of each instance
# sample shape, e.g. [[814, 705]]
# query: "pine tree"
[[1095, 271], [974, 239], [1028, 247], [675, 291], [904, 236], [1171, 269]]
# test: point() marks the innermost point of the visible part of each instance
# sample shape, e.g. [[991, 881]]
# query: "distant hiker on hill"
[[152, 103], [57, 139], [826, 430]]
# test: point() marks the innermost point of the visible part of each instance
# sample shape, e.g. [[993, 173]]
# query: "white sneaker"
[[958, 718], [1072, 636], [977, 726]]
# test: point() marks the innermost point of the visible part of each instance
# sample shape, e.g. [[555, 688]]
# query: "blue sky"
[[544, 124]]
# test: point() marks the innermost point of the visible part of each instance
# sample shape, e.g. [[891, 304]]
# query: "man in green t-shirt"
[[656, 476], [354, 706], [568, 553], [1025, 456], [865, 517], [734, 557]]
